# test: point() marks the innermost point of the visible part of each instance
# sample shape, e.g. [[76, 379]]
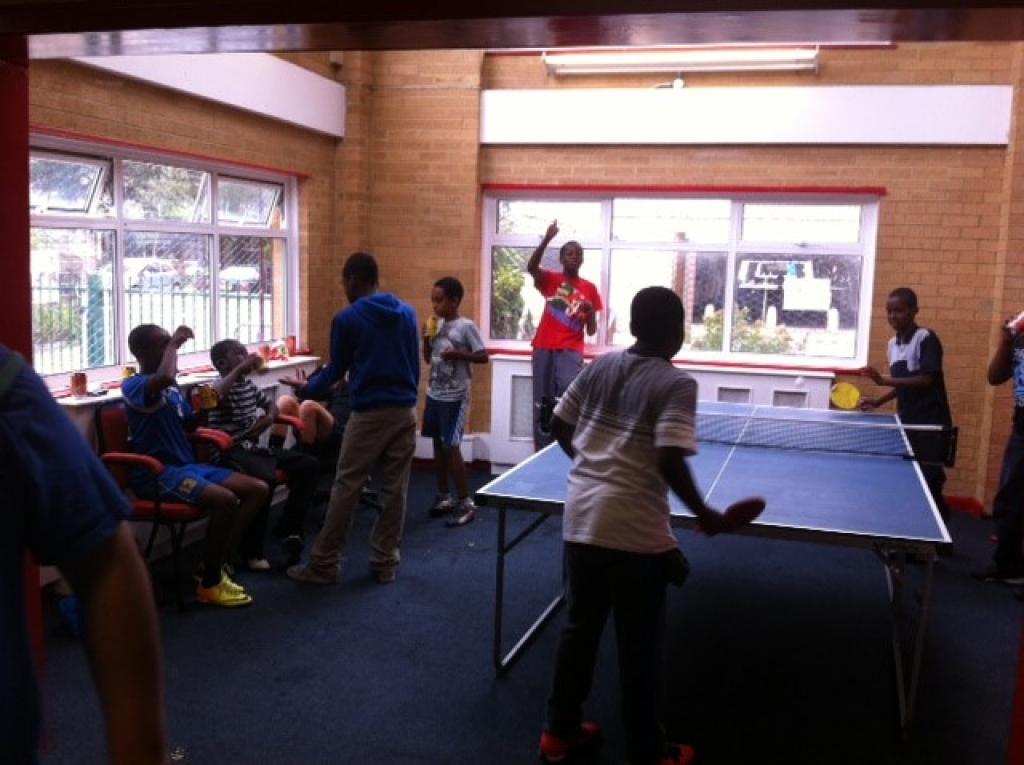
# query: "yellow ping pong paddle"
[[845, 395]]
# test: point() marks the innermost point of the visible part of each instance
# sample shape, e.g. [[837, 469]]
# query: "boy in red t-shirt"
[[571, 303]]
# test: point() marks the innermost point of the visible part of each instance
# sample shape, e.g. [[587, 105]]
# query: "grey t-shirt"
[[449, 380]]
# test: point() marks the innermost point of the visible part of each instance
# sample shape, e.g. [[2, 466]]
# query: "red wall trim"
[[875, 191], [58, 133]]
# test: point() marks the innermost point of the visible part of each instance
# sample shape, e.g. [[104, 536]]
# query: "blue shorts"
[[180, 483], [445, 421]]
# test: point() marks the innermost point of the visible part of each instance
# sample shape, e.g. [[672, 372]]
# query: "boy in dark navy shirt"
[[916, 382], [60, 503], [376, 342]]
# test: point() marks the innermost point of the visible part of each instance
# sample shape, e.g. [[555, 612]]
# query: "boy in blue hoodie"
[[376, 342]]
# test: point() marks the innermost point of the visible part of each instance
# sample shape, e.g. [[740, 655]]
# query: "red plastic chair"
[[207, 437], [115, 451]]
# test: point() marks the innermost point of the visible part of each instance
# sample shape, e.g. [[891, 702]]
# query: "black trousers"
[[631, 587], [301, 471], [1008, 507]]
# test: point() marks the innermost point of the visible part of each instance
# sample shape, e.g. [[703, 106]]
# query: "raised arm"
[[167, 371], [533, 264], [224, 384], [124, 647], [1000, 366]]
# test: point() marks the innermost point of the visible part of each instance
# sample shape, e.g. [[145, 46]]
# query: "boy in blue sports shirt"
[[158, 416], [376, 342]]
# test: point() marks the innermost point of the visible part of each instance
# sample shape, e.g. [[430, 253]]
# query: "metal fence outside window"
[[73, 326]]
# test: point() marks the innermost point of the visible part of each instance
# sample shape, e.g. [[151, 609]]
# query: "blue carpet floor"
[[778, 653]]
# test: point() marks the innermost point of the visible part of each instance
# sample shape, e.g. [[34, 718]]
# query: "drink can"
[[1016, 324], [205, 397], [128, 371], [289, 345], [432, 326], [79, 384]]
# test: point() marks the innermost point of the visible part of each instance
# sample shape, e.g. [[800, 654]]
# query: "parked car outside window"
[[240, 279]]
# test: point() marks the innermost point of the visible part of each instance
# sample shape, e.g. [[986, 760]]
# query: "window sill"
[[110, 390]]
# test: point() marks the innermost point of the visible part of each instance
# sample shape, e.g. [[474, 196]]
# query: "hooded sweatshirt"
[[376, 341]]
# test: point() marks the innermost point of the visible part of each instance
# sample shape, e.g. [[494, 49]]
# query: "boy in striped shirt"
[[245, 411]]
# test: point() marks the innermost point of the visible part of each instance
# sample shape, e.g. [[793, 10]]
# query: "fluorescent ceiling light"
[[683, 60]]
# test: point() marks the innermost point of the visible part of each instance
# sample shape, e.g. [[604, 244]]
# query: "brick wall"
[[946, 222], [416, 200]]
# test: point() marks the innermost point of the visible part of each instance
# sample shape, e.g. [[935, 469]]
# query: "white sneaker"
[[465, 512], [258, 564], [443, 505]]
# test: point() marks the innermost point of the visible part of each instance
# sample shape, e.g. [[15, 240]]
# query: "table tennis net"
[[923, 443]]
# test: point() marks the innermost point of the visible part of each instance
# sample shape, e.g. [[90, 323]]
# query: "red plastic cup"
[[79, 384]]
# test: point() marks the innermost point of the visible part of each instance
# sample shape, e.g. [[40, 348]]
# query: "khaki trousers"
[[381, 441]]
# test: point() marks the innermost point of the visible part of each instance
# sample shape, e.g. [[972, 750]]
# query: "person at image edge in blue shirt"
[[58, 501]]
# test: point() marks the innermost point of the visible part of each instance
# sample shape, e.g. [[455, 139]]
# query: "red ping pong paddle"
[[742, 513]]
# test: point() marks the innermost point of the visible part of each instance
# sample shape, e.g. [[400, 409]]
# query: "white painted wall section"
[[253, 82], [967, 115]]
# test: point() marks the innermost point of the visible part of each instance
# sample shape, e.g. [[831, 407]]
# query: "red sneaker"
[[678, 754], [556, 749]]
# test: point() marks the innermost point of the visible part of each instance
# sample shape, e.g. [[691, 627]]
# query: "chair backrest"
[[112, 435]]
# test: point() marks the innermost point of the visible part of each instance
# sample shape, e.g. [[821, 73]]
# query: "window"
[[764, 280], [121, 240]]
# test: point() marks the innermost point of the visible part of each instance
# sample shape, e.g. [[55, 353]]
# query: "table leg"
[[908, 669], [502, 663]]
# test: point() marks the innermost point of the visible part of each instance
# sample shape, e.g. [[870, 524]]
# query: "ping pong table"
[[830, 477]]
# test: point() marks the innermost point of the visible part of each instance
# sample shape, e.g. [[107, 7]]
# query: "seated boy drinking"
[[245, 412], [158, 416]]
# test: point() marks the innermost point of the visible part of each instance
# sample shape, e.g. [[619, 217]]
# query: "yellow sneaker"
[[230, 583], [226, 571], [225, 593]]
